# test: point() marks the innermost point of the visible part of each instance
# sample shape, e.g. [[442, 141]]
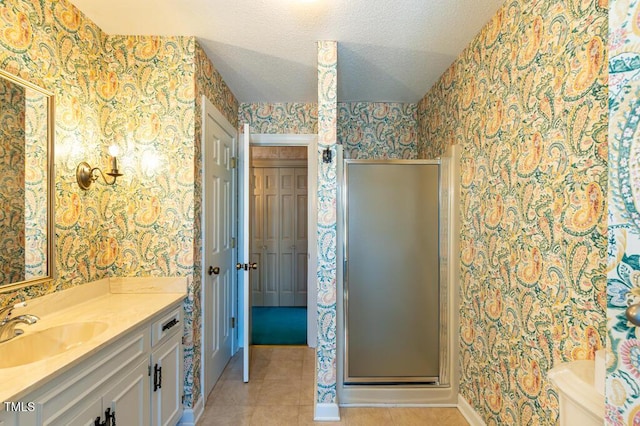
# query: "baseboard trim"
[[327, 413], [469, 413], [190, 416]]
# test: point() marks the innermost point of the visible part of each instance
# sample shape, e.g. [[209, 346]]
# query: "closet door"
[[257, 236], [279, 236], [300, 244], [271, 212], [287, 235]]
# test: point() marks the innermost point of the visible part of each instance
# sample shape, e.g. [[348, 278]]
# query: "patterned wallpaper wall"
[[623, 288], [35, 184], [327, 214], [527, 100], [54, 46], [141, 93], [292, 117], [12, 179], [366, 129], [379, 130]]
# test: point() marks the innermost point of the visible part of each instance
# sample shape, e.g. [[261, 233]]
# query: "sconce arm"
[[86, 175]]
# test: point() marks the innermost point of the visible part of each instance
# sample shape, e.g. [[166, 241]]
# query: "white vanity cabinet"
[[137, 379]]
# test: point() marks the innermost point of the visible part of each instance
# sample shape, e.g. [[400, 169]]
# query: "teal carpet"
[[278, 326]]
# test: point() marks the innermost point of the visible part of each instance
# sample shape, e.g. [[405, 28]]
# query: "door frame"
[[311, 142], [221, 120]]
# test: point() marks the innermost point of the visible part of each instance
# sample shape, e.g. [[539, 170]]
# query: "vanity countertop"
[[122, 304]]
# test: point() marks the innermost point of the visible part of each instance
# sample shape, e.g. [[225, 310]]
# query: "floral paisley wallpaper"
[[52, 45], [141, 93], [527, 100], [327, 216], [35, 184], [378, 130], [12, 180], [291, 117], [365, 129], [623, 375]]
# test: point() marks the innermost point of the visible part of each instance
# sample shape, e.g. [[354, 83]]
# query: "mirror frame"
[[50, 187]]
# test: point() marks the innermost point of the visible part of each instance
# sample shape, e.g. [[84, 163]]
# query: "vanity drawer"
[[166, 326]]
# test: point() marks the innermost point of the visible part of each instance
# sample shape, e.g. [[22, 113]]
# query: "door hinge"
[[233, 242], [182, 398], [149, 370], [233, 162], [233, 322]]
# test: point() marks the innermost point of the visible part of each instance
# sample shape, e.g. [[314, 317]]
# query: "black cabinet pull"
[[110, 417], [157, 377], [169, 324]]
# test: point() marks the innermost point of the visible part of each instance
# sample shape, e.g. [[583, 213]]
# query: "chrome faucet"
[[6, 311], [8, 328]]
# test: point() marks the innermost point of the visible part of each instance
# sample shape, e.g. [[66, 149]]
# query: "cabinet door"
[[88, 415], [129, 398], [166, 393], [7, 418]]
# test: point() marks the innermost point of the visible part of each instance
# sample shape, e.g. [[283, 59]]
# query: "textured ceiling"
[[266, 52]]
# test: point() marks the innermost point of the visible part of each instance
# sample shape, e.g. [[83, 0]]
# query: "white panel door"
[[244, 263], [218, 251]]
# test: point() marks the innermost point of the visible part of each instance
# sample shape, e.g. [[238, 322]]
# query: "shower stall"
[[396, 323]]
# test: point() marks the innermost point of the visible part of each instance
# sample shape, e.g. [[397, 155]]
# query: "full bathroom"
[[530, 122]]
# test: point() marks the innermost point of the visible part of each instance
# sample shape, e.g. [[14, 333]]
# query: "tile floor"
[[281, 393]]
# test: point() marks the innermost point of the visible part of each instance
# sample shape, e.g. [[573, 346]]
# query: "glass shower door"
[[392, 271]]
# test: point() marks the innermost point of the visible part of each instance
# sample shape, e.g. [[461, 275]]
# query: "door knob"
[[253, 265], [214, 271], [633, 314], [239, 265]]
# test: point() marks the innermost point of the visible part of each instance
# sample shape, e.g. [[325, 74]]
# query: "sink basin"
[[49, 342]]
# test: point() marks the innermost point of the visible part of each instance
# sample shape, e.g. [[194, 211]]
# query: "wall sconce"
[[86, 175], [326, 155]]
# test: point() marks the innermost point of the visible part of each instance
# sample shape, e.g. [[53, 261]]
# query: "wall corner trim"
[[469, 413], [326, 413], [190, 416]]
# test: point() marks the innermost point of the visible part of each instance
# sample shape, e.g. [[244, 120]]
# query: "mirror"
[[26, 183]]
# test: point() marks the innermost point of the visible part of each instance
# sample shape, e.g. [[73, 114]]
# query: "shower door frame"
[[443, 379]]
